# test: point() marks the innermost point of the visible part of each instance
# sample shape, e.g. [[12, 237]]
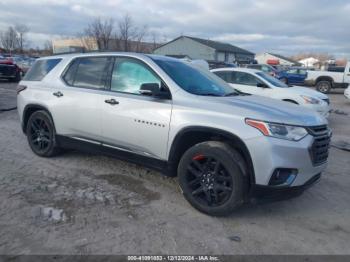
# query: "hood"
[[307, 91], [266, 109]]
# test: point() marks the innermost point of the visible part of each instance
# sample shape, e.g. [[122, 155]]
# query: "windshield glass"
[[273, 81], [195, 80]]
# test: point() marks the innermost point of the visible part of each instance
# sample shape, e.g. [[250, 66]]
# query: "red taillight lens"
[[20, 88]]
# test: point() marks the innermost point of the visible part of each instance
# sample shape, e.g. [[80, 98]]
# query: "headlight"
[[293, 133], [310, 100]]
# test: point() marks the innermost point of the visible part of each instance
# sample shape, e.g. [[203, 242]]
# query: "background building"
[[211, 51], [73, 45], [275, 59]]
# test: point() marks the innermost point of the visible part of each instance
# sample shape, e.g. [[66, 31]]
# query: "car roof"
[[74, 55], [237, 69]]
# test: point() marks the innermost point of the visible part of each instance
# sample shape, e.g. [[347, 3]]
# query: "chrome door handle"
[[111, 102], [58, 94]]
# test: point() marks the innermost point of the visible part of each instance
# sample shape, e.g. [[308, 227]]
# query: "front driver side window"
[[129, 74]]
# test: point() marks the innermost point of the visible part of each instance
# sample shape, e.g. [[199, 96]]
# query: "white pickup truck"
[[326, 80]]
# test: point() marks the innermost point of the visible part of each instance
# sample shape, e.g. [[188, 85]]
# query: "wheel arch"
[[325, 78], [29, 110], [189, 136]]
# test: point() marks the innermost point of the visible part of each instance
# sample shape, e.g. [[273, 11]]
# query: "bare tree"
[[48, 48], [9, 39], [126, 31], [22, 30], [140, 34], [100, 30]]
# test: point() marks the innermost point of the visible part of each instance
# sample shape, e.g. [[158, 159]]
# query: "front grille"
[[320, 148]]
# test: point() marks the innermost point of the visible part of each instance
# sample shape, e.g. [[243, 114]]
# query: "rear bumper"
[[273, 193]]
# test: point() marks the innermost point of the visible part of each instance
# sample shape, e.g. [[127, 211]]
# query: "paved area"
[[80, 203]]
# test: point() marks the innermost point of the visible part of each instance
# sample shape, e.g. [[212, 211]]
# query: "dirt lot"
[[81, 204]]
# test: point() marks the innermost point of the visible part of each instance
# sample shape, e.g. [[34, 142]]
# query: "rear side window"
[[89, 72], [40, 69], [224, 75]]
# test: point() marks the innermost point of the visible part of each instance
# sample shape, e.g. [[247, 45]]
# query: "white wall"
[[262, 59]]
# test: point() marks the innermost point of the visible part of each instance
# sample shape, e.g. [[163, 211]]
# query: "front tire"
[[41, 134], [211, 176], [324, 87]]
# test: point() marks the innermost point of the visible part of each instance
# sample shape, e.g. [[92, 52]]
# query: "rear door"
[[131, 121], [76, 109]]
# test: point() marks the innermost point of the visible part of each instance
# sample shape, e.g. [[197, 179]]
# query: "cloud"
[[287, 26]]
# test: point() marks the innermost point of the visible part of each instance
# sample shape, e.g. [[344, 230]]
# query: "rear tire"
[[41, 134], [211, 176], [324, 87]]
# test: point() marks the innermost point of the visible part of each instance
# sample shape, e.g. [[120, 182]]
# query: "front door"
[[247, 83], [131, 121]]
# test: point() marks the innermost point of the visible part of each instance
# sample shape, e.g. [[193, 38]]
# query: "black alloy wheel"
[[209, 181], [212, 177], [41, 134]]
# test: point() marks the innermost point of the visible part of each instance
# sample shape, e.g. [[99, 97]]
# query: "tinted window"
[[266, 69], [224, 75], [40, 69], [292, 71], [129, 74], [70, 74], [258, 67], [273, 81], [195, 80], [243, 78], [91, 72]]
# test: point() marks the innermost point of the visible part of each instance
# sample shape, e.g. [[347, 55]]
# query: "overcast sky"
[[286, 27]]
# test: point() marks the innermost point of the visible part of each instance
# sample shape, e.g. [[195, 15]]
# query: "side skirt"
[[155, 164]]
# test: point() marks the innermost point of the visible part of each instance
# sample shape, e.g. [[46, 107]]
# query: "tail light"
[[20, 88]]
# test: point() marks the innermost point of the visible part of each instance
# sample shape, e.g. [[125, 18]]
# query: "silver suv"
[[225, 147]]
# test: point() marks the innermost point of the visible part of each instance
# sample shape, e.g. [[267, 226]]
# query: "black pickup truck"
[[9, 70]]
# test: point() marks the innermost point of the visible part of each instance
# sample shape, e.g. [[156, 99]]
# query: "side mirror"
[[262, 85], [154, 90]]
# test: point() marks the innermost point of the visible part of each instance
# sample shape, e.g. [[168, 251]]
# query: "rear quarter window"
[[40, 69]]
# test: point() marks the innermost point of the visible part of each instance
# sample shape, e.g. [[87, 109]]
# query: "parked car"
[[259, 83], [293, 76], [326, 80], [224, 147], [266, 68], [9, 70], [347, 93]]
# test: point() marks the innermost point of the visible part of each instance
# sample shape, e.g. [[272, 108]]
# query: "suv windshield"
[[194, 79], [273, 81]]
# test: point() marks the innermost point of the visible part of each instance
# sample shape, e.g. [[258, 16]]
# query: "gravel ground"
[[79, 203]]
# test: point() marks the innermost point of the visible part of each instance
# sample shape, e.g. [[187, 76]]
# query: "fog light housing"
[[283, 177]]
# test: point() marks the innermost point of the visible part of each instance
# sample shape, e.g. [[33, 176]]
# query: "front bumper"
[[269, 154], [267, 193]]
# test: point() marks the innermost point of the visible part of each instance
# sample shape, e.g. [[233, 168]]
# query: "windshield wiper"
[[208, 94]]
